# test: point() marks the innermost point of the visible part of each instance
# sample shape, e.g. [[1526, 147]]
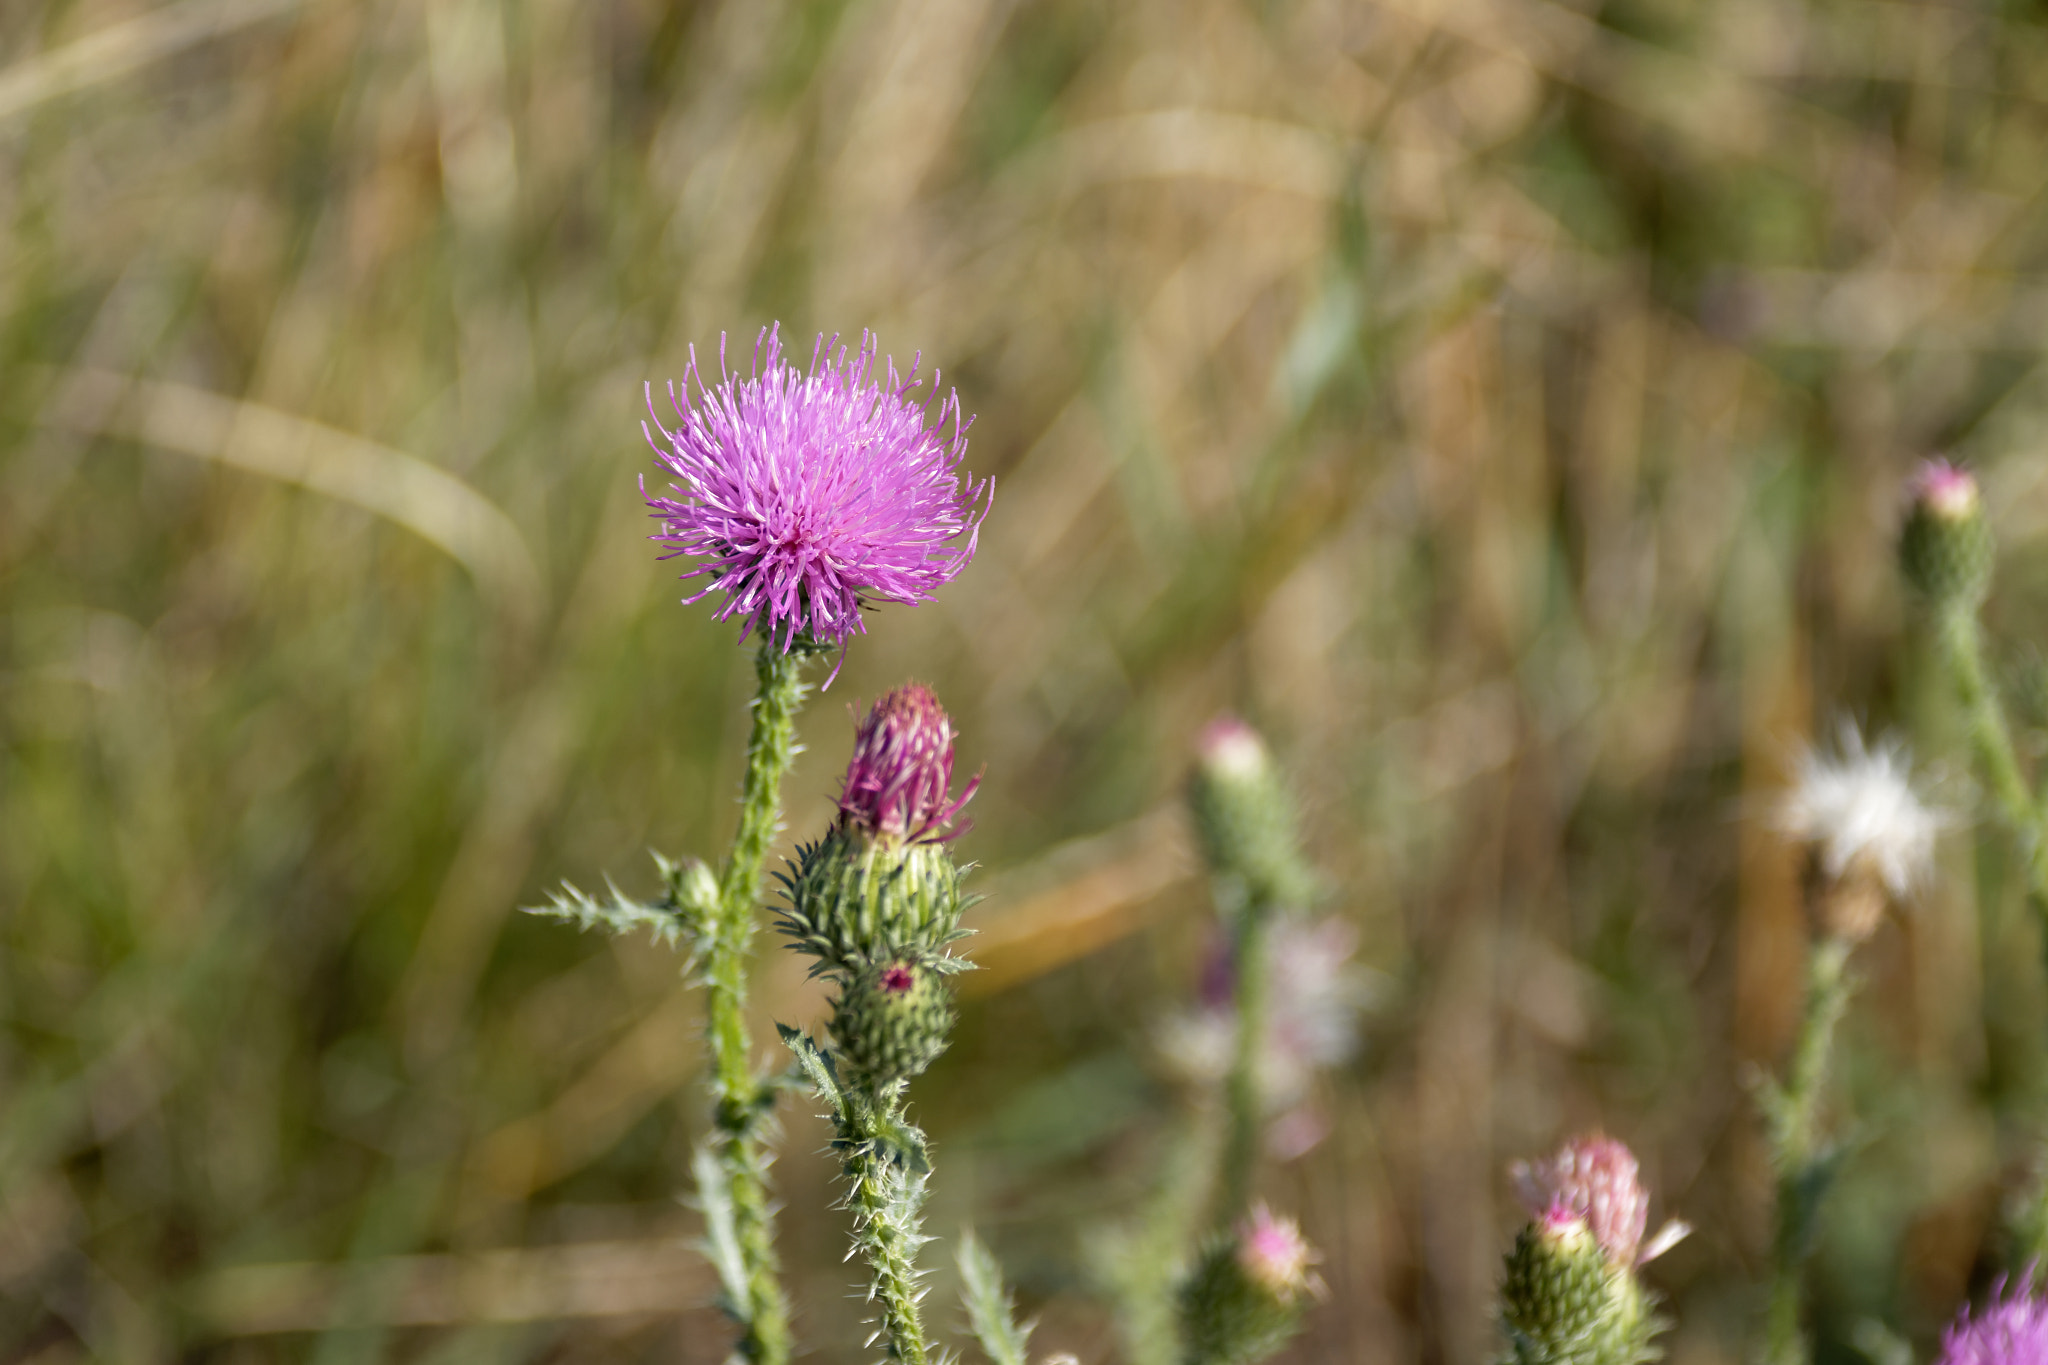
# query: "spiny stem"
[[743, 1097], [1797, 1153], [1241, 1088], [886, 1200]]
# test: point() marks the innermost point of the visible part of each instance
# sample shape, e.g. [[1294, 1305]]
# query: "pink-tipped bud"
[[1945, 490], [1245, 819], [1594, 1180], [1232, 751], [1275, 1256], [898, 784], [1945, 547]]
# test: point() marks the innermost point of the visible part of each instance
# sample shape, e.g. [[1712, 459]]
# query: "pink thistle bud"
[[1594, 1179], [1946, 547], [1276, 1257], [1945, 490], [898, 783], [1232, 751]]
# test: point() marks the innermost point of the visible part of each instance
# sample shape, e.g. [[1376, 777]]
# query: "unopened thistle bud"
[[1247, 1294], [1570, 1295], [881, 884], [693, 885], [1245, 816], [892, 1020], [1946, 547]]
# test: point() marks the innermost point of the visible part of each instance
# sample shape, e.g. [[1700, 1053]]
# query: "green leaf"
[[617, 913], [721, 1244], [816, 1065], [989, 1310]]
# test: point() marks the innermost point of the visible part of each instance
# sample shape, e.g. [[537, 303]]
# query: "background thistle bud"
[[1562, 1300], [1596, 1179], [892, 1020], [1946, 546], [1245, 817], [1246, 1295], [881, 884], [694, 887], [1570, 1295]]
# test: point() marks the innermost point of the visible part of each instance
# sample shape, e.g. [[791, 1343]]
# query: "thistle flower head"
[[1594, 1180], [805, 495], [2012, 1329], [1247, 1293], [1858, 810], [1275, 1256], [898, 783]]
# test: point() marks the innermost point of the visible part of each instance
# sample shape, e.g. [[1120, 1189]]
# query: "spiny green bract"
[[856, 900], [1946, 550], [1229, 1318], [1563, 1303], [892, 1020]]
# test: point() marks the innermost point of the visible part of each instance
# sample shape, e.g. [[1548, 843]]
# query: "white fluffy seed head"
[[1857, 808]]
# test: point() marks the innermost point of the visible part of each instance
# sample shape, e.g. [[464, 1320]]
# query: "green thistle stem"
[[1962, 653], [1804, 1163], [1242, 1099], [887, 1199], [744, 1098]]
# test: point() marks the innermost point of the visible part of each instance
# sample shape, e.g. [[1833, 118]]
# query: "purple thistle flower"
[[898, 782], [2012, 1329], [807, 494]]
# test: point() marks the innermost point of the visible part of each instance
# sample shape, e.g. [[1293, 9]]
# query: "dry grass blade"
[[402, 488], [539, 1284], [115, 51]]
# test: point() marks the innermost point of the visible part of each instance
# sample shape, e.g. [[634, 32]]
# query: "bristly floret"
[[1595, 1179], [806, 495], [2012, 1329], [900, 778]]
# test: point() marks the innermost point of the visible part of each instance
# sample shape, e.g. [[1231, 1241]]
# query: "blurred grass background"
[[1502, 402]]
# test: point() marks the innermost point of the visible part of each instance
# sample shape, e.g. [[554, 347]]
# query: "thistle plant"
[[877, 903], [1946, 553], [1870, 840], [1246, 823], [1947, 556], [1571, 1294], [803, 497], [1247, 1053], [1245, 1297]]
